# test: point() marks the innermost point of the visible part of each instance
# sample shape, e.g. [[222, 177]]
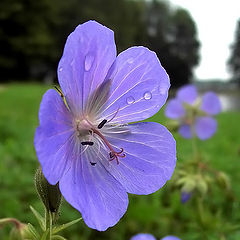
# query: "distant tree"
[[234, 60], [123, 16], [25, 37], [33, 33], [172, 34]]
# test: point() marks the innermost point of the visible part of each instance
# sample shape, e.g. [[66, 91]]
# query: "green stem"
[[200, 211], [48, 222], [17, 223], [194, 145]]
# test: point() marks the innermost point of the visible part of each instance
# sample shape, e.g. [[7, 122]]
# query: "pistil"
[[113, 154], [86, 126]]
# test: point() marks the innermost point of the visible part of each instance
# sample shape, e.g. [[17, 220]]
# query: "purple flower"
[[83, 141], [170, 238], [143, 236], [185, 196], [194, 113]]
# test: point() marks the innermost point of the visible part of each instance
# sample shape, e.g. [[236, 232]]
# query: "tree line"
[[234, 60], [33, 33]]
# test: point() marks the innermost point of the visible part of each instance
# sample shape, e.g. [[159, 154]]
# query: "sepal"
[[39, 218], [63, 226], [49, 194]]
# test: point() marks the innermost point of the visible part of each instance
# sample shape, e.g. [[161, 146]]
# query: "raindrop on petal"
[[60, 69], [88, 61], [147, 95], [162, 90], [130, 60], [130, 100]]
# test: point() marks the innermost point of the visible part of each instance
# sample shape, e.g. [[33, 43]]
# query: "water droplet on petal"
[[130, 100], [162, 90], [147, 95], [60, 69], [130, 60], [88, 61]]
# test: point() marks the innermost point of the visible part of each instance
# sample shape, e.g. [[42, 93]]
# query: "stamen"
[[115, 114], [59, 91], [101, 124], [62, 96], [113, 154], [87, 143]]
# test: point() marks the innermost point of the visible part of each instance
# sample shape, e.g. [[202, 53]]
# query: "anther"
[[59, 91], [87, 143], [102, 123], [62, 96]]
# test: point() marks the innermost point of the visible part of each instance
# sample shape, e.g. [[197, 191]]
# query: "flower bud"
[[223, 180], [49, 194], [20, 232]]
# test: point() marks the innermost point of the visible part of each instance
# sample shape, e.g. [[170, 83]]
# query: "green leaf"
[[45, 235], [202, 186], [181, 181], [63, 226], [33, 231], [39, 218], [58, 237]]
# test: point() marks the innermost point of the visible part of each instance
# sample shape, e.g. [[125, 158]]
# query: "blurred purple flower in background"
[[83, 140], [185, 196], [143, 236], [194, 113], [147, 236]]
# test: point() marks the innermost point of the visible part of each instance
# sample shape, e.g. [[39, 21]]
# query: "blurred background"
[[196, 42]]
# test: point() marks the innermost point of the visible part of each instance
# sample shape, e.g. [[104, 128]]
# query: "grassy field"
[[160, 213]]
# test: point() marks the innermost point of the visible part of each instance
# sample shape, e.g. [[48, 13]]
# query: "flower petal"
[[150, 157], [185, 131], [143, 236], [187, 94], [139, 86], [205, 127], [174, 109], [101, 200], [211, 103], [185, 196], [54, 137], [170, 238], [88, 54]]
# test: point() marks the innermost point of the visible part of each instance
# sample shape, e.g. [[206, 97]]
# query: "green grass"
[[160, 213]]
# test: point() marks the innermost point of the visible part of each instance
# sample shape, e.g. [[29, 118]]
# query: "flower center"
[[85, 128]]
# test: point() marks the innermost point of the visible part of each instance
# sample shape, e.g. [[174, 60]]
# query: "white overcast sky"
[[216, 22]]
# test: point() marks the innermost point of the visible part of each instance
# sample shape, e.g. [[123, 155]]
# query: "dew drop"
[[130, 100], [88, 61], [162, 90], [130, 60], [60, 69], [147, 95]]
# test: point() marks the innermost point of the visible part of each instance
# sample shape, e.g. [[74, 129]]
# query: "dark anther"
[[102, 123], [87, 143], [93, 163], [59, 91]]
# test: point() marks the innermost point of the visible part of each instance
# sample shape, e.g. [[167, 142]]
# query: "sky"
[[216, 22]]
